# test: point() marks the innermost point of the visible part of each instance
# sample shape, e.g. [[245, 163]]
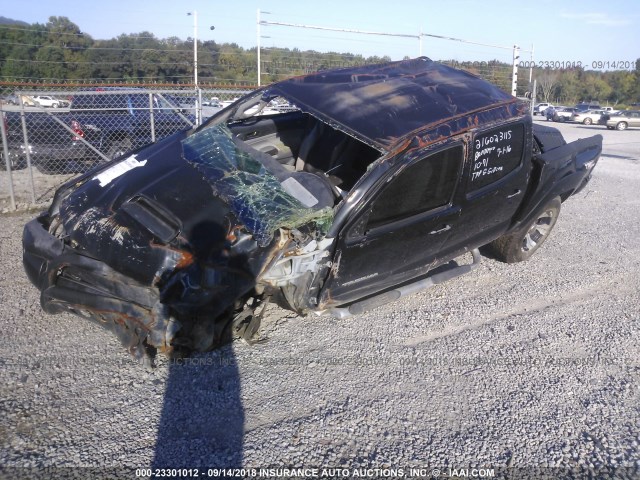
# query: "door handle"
[[515, 194], [443, 229]]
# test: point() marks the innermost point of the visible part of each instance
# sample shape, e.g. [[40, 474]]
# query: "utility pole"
[[514, 77], [195, 47], [258, 43]]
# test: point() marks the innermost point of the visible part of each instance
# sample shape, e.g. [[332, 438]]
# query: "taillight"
[[77, 129]]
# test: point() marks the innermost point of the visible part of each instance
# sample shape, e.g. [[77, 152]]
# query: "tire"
[[17, 162], [118, 148], [587, 121], [609, 128], [522, 244], [621, 126]]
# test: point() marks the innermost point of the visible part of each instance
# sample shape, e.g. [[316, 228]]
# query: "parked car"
[[46, 101], [15, 147], [109, 120], [583, 107], [49, 144], [212, 102], [17, 159], [11, 100], [623, 120], [563, 114], [588, 117], [226, 103], [540, 108], [368, 191]]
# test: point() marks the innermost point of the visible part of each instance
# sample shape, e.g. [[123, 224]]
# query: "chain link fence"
[[50, 135]]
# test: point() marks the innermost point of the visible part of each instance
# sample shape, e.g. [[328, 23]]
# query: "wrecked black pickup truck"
[[365, 191]]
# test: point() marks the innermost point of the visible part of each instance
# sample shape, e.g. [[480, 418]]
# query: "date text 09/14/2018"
[[570, 65]]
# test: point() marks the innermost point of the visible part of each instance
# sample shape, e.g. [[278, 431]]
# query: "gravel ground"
[[534, 364]]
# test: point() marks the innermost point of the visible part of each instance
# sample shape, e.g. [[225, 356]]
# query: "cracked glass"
[[253, 193]]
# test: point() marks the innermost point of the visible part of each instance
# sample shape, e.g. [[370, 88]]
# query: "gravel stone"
[[511, 365]]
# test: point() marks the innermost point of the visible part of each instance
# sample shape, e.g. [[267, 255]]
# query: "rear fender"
[[561, 172]]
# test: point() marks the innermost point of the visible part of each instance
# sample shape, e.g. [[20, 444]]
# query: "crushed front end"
[[166, 248]]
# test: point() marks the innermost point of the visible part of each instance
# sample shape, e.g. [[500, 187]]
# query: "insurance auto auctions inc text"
[[346, 473]]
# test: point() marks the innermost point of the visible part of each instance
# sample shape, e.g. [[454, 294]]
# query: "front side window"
[[425, 185]]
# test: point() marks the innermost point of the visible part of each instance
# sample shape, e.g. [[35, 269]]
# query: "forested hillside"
[[59, 51]]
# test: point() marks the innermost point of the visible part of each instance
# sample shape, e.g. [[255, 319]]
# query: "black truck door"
[[494, 182], [402, 228]]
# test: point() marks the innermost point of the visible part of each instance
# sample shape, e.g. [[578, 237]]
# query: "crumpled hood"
[[147, 215]]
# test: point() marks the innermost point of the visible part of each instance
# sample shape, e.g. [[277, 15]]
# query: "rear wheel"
[[621, 126], [587, 121], [522, 244], [16, 162]]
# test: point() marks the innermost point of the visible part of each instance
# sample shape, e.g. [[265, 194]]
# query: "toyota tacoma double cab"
[[368, 189]]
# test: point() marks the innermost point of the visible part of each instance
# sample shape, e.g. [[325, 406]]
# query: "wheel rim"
[[587, 121], [622, 126], [538, 231]]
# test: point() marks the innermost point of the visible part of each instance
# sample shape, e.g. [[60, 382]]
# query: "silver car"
[[622, 120], [588, 117], [540, 108]]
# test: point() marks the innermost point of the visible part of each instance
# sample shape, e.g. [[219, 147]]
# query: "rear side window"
[[496, 153], [427, 184], [105, 102]]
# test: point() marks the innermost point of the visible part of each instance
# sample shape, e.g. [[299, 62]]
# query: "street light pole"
[[258, 45], [195, 68], [258, 37], [195, 47]]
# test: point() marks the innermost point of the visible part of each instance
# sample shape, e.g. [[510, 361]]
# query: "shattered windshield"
[[254, 194]]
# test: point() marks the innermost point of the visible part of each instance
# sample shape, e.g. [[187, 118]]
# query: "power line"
[[47, 30], [333, 29], [96, 48]]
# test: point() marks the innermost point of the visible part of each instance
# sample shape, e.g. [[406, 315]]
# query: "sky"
[[583, 31]]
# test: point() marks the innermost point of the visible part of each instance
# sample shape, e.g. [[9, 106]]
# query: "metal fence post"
[[533, 96], [152, 119], [198, 106], [27, 150], [5, 148]]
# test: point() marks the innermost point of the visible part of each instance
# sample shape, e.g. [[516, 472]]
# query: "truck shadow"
[[202, 420]]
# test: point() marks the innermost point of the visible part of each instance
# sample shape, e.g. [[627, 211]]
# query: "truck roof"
[[385, 103]]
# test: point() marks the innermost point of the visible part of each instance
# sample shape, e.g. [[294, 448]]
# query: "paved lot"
[[534, 364]]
